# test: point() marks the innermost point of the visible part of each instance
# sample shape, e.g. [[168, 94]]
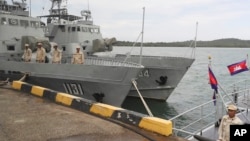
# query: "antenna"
[[195, 34], [30, 8], [142, 32], [195, 38], [140, 35], [88, 4]]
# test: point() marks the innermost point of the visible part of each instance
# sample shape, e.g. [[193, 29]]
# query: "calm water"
[[193, 89]]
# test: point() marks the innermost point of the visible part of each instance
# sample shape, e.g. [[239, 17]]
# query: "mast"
[[88, 4], [142, 32], [195, 40], [196, 34], [53, 11], [30, 8]]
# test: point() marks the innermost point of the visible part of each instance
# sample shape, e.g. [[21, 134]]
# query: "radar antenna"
[[56, 8]]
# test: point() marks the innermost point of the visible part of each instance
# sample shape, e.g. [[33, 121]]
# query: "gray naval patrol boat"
[[161, 74], [97, 79]]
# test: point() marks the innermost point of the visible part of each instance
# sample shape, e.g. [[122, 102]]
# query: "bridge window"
[[84, 29], [96, 30], [34, 24], [24, 23], [69, 29], [13, 21], [10, 47], [78, 29], [62, 28], [91, 30], [73, 29]]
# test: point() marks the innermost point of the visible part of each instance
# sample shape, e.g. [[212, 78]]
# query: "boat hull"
[[158, 93], [160, 76], [114, 82]]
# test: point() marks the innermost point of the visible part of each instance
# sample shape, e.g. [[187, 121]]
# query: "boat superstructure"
[[15, 23], [70, 30], [107, 81], [161, 74]]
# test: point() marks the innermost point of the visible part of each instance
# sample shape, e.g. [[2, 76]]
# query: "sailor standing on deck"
[[40, 53], [226, 121], [27, 53], [78, 57], [57, 55]]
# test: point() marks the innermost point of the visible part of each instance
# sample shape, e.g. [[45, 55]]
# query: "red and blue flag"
[[237, 67], [212, 80]]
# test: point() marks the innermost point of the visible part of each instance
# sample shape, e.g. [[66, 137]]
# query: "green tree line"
[[228, 42]]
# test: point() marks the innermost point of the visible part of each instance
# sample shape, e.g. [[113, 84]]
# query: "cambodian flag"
[[212, 80], [237, 67]]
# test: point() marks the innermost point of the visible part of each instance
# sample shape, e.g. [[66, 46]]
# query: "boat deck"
[[206, 125], [212, 131]]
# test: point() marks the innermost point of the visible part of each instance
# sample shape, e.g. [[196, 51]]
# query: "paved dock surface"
[[24, 117]]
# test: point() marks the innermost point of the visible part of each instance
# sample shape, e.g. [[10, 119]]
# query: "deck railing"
[[105, 62], [208, 114]]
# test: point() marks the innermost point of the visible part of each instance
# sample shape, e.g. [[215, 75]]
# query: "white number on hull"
[[144, 73], [73, 88]]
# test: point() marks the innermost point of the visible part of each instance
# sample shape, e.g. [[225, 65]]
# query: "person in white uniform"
[[226, 121], [27, 53], [40, 53], [56, 55], [78, 57]]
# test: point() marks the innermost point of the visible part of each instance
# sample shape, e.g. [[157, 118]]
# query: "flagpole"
[[215, 97], [209, 58], [219, 96], [210, 62]]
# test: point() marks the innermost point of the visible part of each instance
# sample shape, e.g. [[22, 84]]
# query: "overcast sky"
[[165, 20]]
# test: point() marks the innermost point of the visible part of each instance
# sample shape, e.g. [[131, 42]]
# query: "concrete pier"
[[25, 117]]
